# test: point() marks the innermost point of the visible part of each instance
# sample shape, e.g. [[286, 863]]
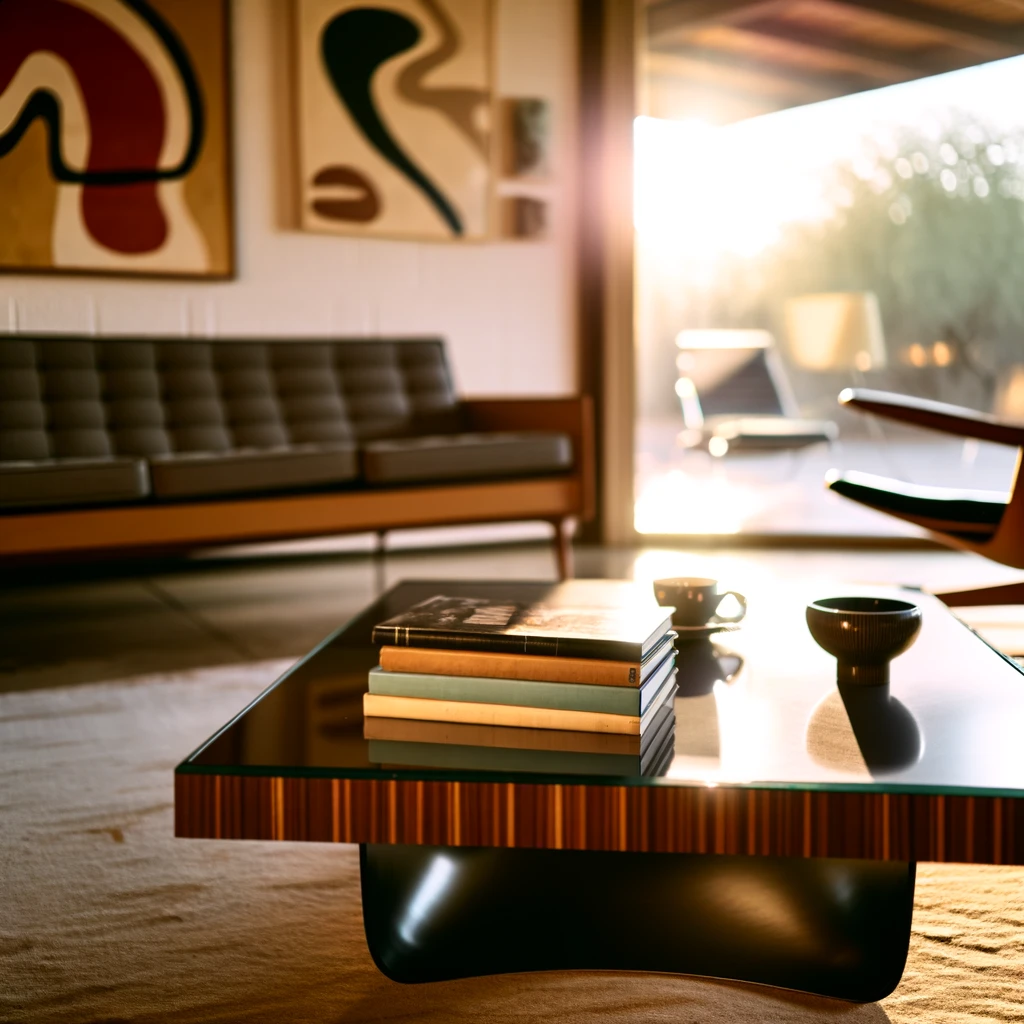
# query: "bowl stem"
[[862, 675]]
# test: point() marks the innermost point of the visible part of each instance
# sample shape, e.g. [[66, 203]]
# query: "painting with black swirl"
[[395, 106]]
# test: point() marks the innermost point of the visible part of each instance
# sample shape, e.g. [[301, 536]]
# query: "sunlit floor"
[[686, 491]]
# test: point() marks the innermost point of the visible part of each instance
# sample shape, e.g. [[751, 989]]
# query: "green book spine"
[[612, 700]]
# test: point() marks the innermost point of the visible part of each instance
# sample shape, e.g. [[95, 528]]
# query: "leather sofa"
[[122, 444]]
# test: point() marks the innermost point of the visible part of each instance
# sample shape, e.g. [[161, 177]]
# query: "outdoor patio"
[[687, 491]]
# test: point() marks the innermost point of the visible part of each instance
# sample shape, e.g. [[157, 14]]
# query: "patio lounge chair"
[[735, 396]]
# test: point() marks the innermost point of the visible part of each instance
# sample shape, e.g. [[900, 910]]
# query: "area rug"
[[105, 917]]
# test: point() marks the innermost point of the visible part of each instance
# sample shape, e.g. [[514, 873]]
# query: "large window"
[[876, 241]]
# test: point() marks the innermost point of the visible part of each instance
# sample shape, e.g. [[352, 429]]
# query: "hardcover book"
[[654, 761], [614, 700], [536, 667], [385, 706], [603, 619], [409, 730]]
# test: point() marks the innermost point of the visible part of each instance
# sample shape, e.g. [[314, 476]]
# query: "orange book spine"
[[531, 667]]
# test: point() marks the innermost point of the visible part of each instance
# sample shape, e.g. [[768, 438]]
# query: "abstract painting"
[[395, 117], [114, 138]]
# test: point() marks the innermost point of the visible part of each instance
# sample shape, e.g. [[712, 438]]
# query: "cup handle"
[[739, 615]]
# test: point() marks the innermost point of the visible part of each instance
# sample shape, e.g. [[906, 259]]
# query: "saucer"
[[695, 632]]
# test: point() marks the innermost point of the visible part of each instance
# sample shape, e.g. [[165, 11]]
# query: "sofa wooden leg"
[[564, 530], [1007, 593]]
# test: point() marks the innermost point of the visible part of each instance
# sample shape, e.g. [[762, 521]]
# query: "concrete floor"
[[97, 624]]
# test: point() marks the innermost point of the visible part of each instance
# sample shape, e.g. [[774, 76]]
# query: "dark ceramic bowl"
[[863, 634]]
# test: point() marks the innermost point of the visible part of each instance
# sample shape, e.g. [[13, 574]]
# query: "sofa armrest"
[[921, 412], [572, 415]]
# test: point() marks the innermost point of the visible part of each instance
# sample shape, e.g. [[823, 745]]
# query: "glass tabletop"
[[755, 707]]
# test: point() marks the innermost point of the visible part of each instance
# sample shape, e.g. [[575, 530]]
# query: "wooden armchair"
[[990, 523]]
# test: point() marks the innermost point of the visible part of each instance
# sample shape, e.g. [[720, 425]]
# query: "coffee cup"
[[696, 601]]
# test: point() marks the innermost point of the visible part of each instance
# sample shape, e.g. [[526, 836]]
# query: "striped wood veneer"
[[661, 819]]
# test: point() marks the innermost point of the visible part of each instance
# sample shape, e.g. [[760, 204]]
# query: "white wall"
[[506, 308]]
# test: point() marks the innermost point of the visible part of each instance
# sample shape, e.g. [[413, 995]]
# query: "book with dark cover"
[[576, 619]]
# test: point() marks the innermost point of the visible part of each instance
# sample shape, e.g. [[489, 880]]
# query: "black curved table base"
[[828, 926]]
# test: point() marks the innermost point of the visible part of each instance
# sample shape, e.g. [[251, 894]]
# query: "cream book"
[[408, 730], [425, 709]]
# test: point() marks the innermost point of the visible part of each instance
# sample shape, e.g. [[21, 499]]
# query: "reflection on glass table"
[[767, 679]]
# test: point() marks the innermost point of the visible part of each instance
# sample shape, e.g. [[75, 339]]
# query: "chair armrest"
[[967, 510], [951, 419], [572, 415]]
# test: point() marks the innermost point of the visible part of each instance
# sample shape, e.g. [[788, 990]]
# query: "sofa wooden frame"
[[560, 499]]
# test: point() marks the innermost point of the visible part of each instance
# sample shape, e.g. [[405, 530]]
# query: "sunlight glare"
[[705, 194], [702, 191], [679, 503]]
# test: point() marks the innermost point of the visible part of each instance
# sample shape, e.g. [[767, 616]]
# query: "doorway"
[[809, 217]]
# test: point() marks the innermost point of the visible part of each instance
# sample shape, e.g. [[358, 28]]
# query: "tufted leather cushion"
[[396, 390], [465, 456], [69, 398]]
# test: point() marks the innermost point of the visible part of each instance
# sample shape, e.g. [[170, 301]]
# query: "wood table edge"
[[906, 826]]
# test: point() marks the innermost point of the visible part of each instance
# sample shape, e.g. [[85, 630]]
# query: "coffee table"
[[779, 847]]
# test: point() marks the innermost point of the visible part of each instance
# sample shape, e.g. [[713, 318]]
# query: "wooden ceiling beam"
[[710, 101], [884, 63], [704, 94], [673, 19], [757, 81], [714, 109], [818, 85], [991, 39]]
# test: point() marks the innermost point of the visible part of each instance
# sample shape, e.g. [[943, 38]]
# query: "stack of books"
[[581, 681]]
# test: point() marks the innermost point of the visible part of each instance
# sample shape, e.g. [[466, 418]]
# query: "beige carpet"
[[105, 917]]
